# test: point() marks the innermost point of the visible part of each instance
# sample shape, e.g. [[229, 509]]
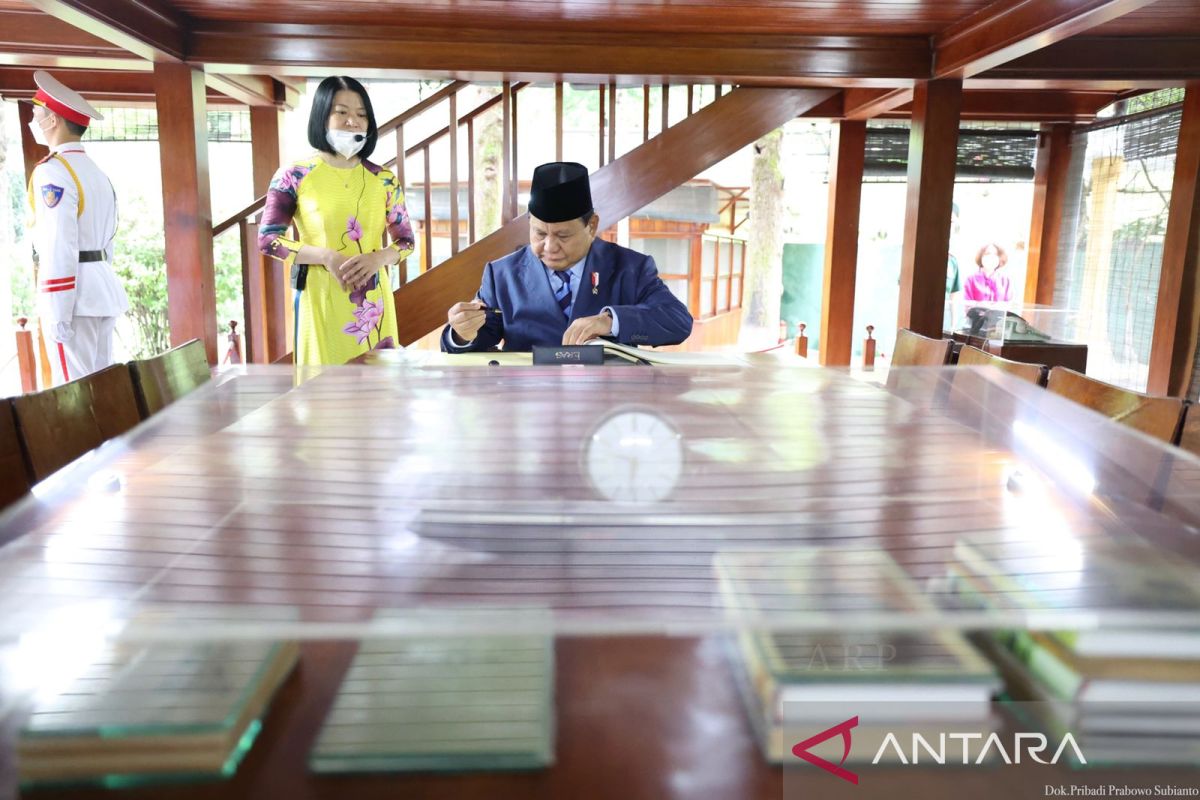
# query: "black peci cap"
[[560, 191]]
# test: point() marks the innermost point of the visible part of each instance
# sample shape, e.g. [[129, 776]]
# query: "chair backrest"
[[915, 350], [59, 425], [15, 480], [1159, 417], [1189, 435], [974, 357], [163, 379]]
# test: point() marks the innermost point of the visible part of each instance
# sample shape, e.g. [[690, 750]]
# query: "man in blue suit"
[[567, 286]]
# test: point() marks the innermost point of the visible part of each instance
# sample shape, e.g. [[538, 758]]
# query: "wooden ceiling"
[[819, 17], [1077, 51]]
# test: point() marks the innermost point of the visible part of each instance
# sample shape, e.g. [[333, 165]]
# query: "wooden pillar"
[[267, 343], [558, 124], [187, 209], [932, 150], [1177, 318], [1049, 198], [505, 153], [846, 158]]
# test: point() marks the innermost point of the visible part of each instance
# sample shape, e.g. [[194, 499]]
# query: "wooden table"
[[394, 488]]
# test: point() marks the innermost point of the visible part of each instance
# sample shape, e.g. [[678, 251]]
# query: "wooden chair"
[[163, 379], [15, 480], [1159, 417], [1189, 434], [921, 387], [915, 350], [974, 357], [59, 425]]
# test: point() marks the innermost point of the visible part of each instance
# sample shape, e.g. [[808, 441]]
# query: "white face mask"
[[346, 143], [39, 133]]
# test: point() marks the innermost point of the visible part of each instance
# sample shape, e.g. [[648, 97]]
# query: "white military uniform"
[[79, 297]]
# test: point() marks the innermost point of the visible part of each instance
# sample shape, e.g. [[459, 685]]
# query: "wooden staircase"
[[619, 188]]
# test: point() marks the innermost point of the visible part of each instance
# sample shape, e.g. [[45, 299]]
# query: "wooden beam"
[[250, 90], [1105, 62], [846, 158], [109, 87], [1027, 105], [570, 54], [266, 137], [148, 29], [1177, 317], [187, 210], [1009, 29], [1049, 200], [932, 150], [32, 37], [631, 182], [868, 103]]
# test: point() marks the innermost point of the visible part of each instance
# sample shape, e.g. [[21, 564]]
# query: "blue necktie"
[[563, 293]]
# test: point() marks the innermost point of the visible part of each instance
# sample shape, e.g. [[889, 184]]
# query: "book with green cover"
[[1127, 576], [934, 666], [443, 703], [138, 714]]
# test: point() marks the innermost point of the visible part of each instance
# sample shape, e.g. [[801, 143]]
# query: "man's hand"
[[357, 270], [466, 319], [586, 328]]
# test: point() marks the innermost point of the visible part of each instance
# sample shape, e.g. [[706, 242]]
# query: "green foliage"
[[139, 263]]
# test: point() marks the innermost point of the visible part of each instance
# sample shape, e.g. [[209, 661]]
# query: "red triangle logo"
[[844, 728]]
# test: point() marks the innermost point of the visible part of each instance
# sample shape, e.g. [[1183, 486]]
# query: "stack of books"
[[1129, 694], [145, 713], [796, 684]]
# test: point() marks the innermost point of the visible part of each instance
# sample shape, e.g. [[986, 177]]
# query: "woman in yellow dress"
[[340, 204]]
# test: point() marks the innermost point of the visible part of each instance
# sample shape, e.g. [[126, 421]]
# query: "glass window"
[[671, 256], [679, 288], [708, 258], [706, 298]]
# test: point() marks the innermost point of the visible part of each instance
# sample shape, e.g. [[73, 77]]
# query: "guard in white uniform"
[[75, 219]]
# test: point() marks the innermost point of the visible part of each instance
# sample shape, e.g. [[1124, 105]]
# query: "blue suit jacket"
[[628, 281]]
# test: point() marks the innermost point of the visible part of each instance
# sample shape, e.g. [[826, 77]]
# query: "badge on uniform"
[[51, 194]]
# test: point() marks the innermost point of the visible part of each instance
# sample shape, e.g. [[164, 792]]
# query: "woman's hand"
[[357, 270], [332, 261]]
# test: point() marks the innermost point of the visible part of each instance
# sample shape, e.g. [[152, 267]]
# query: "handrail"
[[257, 205], [422, 106], [428, 141], [387, 127]]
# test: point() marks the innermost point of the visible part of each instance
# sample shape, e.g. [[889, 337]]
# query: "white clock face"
[[634, 457]]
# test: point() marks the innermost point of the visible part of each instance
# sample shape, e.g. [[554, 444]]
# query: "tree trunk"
[[764, 247], [489, 140]]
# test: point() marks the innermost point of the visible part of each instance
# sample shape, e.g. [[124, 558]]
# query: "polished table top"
[[574, 502]]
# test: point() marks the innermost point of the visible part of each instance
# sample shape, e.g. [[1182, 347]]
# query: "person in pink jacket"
[[989, 283]]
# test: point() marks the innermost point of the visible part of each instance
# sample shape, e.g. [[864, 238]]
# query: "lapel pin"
[[595, 283]]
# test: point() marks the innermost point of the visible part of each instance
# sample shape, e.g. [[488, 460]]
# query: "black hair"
[[586, 219], [322, 107], [75, 128]]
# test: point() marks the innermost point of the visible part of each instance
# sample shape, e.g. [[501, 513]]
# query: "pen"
[[488, 310]]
